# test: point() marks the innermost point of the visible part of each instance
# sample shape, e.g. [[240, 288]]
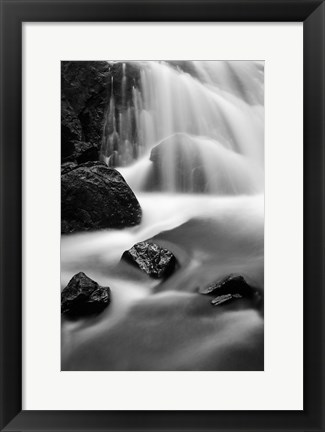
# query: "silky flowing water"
[[202, 198]]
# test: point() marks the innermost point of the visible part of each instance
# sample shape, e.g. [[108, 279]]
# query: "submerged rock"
[[231, 284], [151, 258], [83, 296], [231, 287], [94, 196], [225, 298], [182, 155]]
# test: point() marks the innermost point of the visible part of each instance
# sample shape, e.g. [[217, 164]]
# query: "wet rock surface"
[[67, 166], [71, 129], [152, 259], [230, 288], [123, 96], [231, 284], [94, 196], [85, 90], [82, 152], [83, 296]]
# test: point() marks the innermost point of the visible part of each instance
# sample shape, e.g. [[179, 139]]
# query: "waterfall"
[[188, 137], [188, 126]]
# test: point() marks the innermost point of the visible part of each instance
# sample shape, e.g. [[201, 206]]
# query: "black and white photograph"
[[162, 215]]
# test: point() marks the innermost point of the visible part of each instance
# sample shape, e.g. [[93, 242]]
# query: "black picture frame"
[[13, 14]]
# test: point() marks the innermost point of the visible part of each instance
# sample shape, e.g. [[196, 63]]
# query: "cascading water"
[[188, 137], [207, 123]]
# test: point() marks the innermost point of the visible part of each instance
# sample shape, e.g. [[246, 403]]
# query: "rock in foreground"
[[83, 296], [231, 284], [151, 258], [94, 196]]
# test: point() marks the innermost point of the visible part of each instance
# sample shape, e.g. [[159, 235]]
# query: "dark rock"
[[231, 284], [151, 258], [132, 79], [83, 296], [94, 196], [83, 152], [71, 129], [95, 96], [183, 156], [224, 298], [85, 85], [120, 144]]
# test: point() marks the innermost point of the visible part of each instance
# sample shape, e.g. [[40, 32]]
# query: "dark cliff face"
[[84, 97], [86, 89]]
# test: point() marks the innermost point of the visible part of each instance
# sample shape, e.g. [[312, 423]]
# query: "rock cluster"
[[95, 196]]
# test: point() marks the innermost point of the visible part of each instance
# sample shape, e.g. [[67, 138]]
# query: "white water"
[[209, 123], [218, 111]]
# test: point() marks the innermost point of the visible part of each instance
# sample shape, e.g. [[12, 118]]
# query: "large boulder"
[[155, 261], [83, 296], [94, 196]]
